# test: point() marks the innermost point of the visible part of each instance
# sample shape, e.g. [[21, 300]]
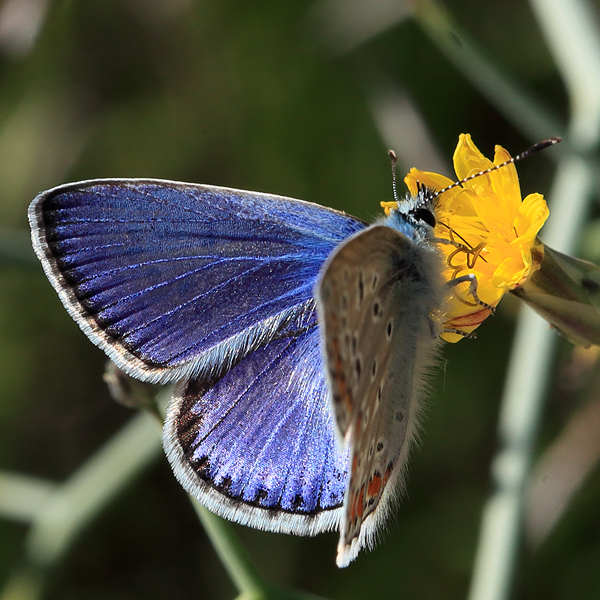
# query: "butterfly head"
[[414, 216]]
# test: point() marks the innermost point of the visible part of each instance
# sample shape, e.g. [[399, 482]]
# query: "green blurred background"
[[295, 98]]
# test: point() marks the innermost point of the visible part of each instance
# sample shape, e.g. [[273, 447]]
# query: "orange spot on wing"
[[360, 503], [357, 505], [374, 485]]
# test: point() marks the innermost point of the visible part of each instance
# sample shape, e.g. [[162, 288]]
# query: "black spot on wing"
[[188, 421]]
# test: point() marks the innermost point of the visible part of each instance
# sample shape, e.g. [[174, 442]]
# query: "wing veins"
[[213, 331], [217, 260], [242, 395]]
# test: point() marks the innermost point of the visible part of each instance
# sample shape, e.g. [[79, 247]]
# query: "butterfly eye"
[[422, 214]]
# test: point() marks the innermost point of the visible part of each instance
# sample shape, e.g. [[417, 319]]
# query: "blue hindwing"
[[257, 446]]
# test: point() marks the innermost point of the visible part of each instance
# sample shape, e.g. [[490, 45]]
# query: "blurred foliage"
[[248, 95]]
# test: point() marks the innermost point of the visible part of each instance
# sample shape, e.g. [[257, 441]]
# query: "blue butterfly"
[[297, 335]]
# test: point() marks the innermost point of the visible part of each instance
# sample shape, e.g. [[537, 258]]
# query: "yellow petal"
[[505, 181], [532, 215], [509, 274], [467, 157]]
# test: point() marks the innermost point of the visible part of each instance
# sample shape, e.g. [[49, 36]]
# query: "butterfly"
[[297, 336]]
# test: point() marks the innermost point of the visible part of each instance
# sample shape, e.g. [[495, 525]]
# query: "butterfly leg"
[[454, 243], [460, 247], [472, 253], [471, 279], [437, 329], [470, 336]]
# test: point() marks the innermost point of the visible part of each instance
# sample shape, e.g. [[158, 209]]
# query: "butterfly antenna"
[[394, 160], [528, 152]]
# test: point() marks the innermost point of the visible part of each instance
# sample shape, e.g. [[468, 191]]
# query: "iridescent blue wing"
[[176, 280], [257, 445]]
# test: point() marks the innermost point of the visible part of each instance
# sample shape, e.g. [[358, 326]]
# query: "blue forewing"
[[174, 280]]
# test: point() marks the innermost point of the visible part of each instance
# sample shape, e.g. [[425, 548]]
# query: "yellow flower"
[[492, 230]]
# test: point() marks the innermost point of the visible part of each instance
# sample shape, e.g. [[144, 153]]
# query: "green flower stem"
[[238, 562], [234, 556], [529, 370], [58, 512], [22, 497]]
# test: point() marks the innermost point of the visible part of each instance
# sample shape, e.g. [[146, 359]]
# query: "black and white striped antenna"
[[528, 152], [535, 148]]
